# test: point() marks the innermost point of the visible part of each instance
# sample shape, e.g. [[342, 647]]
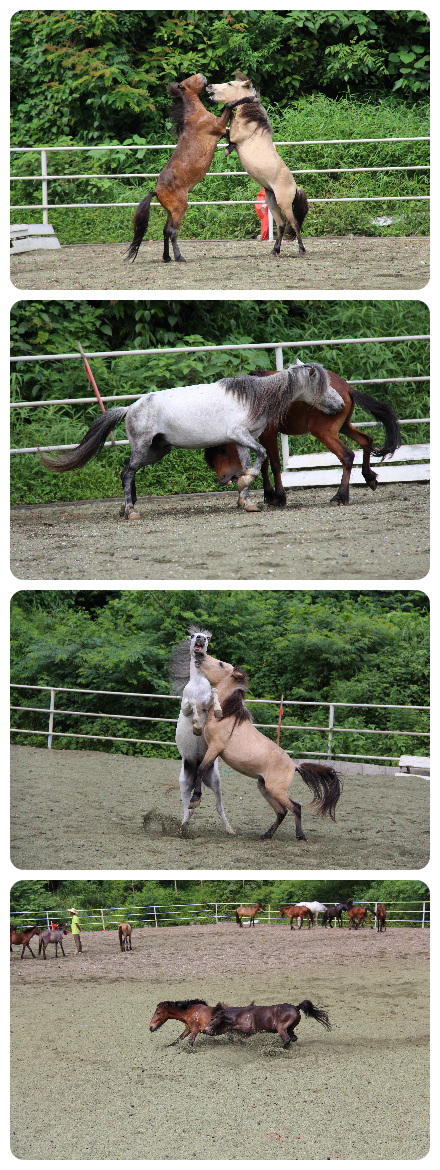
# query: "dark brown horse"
[[247, 912], [21, 938], [198, 132], [282, 1018], [124, 931], [52, 936], [381, 917], [300, 419], [336, 913], [300, 912], [195, 1014], [357, 916]]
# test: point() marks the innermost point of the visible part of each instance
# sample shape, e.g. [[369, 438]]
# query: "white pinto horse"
[[197, 699], [251, 135], [234, 410]]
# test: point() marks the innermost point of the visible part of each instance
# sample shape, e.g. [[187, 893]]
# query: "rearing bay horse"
[[245, 749], [198, 131]]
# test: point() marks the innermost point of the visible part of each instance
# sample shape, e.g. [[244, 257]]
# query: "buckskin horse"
[[208, 414], [300, 419], [21, 938], [195, 1014], [248, 912], [251, 135], [198, 132], [124, 932], [281, 1017], [245, 749], [298, 912]]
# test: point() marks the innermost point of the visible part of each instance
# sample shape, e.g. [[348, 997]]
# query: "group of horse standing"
[[22, 938], [357, 915]]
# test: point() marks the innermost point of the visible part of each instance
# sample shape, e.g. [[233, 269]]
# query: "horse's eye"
[[221, 663]]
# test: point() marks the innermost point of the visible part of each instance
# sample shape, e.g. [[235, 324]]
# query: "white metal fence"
[[329, 730], [409, 914]]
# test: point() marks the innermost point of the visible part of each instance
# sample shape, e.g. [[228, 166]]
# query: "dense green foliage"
[[350, 647], [101, 78], [57, 326], [182, 900]]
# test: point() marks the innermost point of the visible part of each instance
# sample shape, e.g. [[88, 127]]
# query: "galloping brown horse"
[[357, 916], [281, 1017], [300, 912], [300, 419], [381, 917], [198, 131], [195, 1014], [247, 912], [124, 931], [21, 938]]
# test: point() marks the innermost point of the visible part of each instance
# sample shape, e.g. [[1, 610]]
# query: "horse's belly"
[[197, 416]]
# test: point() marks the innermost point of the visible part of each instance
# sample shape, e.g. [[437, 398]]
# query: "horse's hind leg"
[[282, 804], [327, 434], [212, 780], [278, 217], [278, 808], [186, 784], [176, 205], [366, 443]]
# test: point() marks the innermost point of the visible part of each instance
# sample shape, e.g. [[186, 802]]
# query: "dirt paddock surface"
[[381, 535], [98, 1085], [89, 810], [352, 262]]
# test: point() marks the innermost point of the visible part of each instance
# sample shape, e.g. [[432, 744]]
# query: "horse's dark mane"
[[180, 659], [234, 704], [255, 113], [181, 1004], [177, 109]]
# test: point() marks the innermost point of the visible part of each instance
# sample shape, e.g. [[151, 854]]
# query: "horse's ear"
[[312, 372]]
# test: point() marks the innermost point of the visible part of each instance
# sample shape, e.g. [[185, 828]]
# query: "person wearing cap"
[[76, 928]]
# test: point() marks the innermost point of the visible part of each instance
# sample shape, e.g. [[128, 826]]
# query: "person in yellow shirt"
[[76, 929]]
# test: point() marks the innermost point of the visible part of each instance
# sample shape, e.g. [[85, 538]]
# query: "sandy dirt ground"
[[90, 810], [379, 536], [353, 262], [96, 1084]]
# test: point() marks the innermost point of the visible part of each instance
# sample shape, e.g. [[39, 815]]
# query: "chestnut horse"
[[198, 132], [247, 912], [245, 749], [281, 1017], [357, 916], [195, 1014], [381, 917], [124, 932], [300, 419], [300, 912], [21, 938]]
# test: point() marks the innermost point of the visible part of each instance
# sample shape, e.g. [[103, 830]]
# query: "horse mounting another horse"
[[245, 749], [205, 415], [381, 917], [198, 132], [124, 932], [281, 1017], [301, 419], [196, 1014], [357, 916], [298, 912], [52, 936], [248, 912], [251, 135], [21, 938], [197, 700]]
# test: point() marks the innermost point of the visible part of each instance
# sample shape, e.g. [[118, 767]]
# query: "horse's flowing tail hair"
[[140, 224], [384, 414], [315, 1012], [89, 445], [325, 784], [300, 205]]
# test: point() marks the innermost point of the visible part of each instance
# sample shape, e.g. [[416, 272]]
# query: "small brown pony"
[[124, 931], [357, 916], [21, 938], [245, 749], [198, 131], [300, 912], [300, 419], [247, 912], [282, 1018], [381, 917], [194, 1013]]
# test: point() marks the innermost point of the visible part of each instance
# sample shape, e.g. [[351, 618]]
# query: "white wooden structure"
[[408, 764], [320, 469], [26, 237]]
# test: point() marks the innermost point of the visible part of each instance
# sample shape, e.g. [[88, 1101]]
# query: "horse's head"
[[225, 462], [217, 671], [191, 85], [198, 642], [232, 91], [312, 384]]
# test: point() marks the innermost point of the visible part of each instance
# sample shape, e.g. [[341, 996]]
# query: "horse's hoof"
[[180, 260], [373, 484], [231, 832], [132, 515], [195, 801]]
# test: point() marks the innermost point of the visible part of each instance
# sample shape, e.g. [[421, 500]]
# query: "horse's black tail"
[[300, 206], [140, 224], [89, 445], [384, 414], [238, 919], [120, 936], [325, 784], [315, 1012]]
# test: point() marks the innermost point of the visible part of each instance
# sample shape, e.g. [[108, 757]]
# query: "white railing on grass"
[[330, 729], [409, 913]]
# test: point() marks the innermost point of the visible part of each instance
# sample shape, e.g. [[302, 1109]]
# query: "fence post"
[[270, 224], [47, 919], [331, 720], [102, 916], [423, 915], [155, 916], [279, 720], [216, 916], [51, 715], [280, 366], [44, 186], [269, 914]]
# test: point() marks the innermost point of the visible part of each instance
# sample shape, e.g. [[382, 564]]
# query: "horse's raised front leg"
[[245, 443], [218, 713]]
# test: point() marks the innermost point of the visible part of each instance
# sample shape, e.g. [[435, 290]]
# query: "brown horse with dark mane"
[[381, 917], [21, 938], [124, 931], [198, 132], [247, 912], [281, 1017], [300, 912], [300, 419], [195, 1013], [357, 916]]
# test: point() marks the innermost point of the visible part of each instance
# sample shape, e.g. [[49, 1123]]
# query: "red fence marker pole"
[[93, 384]]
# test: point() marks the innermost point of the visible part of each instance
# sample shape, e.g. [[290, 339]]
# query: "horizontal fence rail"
[[408, 913], [328, 730], [277, 346]]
